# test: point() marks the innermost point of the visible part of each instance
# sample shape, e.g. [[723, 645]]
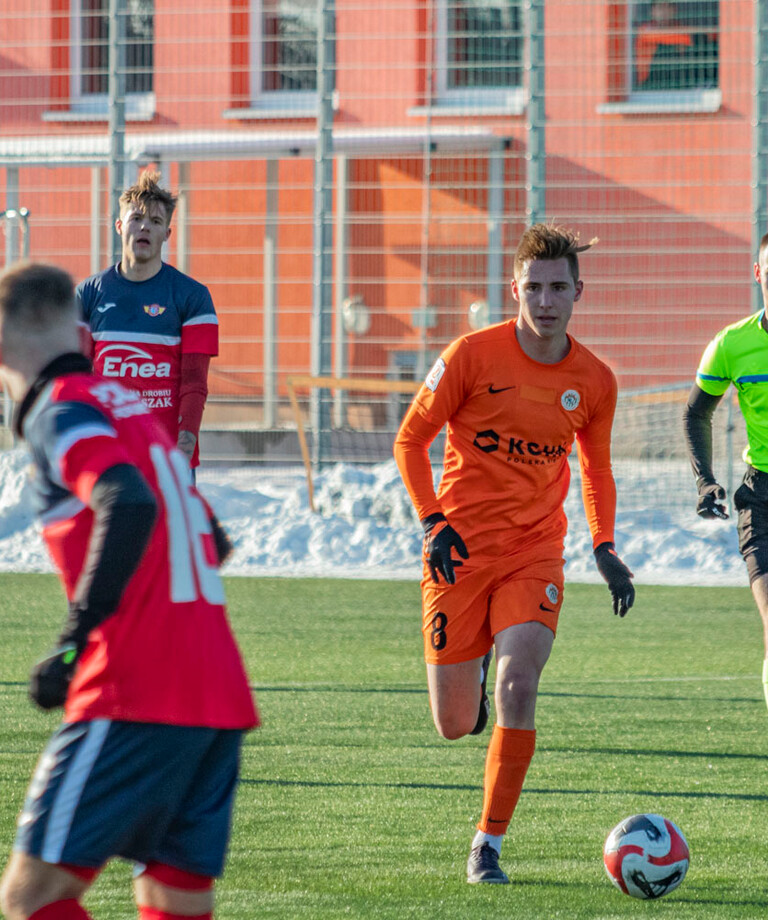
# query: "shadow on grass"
[[639, 752], [335, 688], [656, 699], [726, 901], [422, 691], [470, 787]]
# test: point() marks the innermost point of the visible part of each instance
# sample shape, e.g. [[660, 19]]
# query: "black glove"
[[50, 677], [224, 545], [707, 505], [439, 539], [617, 575]]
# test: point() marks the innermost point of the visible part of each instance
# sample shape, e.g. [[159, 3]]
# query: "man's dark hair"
[[546, 241], [31, 293]]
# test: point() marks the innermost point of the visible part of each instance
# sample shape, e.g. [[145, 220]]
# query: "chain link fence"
[[353, 178]]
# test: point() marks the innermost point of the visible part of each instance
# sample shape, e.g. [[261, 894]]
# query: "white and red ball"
[[646, 856]]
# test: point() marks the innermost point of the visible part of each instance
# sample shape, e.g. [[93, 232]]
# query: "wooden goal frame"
[[366, 385]]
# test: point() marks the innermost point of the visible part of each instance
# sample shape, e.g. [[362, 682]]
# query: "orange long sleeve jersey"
[[511, 426]]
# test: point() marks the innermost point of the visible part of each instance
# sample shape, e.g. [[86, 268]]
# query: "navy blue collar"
[[69, 363]]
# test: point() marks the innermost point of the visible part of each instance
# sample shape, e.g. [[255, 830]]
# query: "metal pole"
[[494, 281], [116, 89], [160, 166], [96, 216], [535, 154], [270, 298], [340, 284], [182, 219], [12, 218], [759, 179], [11, 226], [426, 199], [759, 138], [322, 269], [24, 217]]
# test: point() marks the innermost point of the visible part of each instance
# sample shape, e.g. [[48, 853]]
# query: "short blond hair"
[[148, 191], [547, 241]]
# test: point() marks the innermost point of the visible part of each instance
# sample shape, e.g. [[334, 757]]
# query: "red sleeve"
[[86, 340], [86, 461], [193, 391], [598, 487], [201, 335]]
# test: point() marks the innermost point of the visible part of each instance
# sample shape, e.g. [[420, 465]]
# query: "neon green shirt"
[[738, 355]]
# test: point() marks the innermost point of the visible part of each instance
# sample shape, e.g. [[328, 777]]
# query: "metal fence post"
[[535, 154], [759, 138], [116, 90], [270, 295], [322, 258]]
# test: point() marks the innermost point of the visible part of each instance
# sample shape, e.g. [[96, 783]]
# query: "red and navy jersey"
[[140, 329], [167, 654]]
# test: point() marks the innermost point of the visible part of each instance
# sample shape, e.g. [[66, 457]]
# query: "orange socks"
[[506, 764], [152, 913]]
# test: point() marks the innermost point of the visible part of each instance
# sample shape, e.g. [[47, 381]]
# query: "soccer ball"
[[646, 856]]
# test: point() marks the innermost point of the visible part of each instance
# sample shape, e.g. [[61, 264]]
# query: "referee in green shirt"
[[738, 355]]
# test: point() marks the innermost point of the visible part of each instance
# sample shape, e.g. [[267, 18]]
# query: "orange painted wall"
[[668, 194]]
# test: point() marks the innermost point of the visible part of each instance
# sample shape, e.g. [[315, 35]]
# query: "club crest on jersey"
[[552, 593], [434, 376], [569, 400], [153, 309]]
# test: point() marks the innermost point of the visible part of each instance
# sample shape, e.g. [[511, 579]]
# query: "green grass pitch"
[[352, 806]]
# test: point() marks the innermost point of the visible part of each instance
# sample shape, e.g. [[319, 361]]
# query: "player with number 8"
[[514, 397]]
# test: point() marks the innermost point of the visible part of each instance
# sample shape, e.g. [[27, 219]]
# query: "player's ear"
[[579, 290], [515, 290], [119, 226], [756, 270], [167, 232]]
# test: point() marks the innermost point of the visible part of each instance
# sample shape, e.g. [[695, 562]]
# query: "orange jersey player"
[[514, 397]]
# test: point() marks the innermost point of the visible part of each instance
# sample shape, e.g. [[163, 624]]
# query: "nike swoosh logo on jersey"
[[546, 609], [107, 306], [492, 389]]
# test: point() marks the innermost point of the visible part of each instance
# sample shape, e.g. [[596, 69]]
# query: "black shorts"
[[150, 793], [751, 501]]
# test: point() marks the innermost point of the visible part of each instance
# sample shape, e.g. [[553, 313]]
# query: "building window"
[[90, 54], [283, 51], [479, 49], [674, 45]]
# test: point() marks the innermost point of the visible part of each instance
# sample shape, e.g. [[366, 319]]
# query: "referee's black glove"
[[50, 677], [439, 539], [707, 506], [617, 575]]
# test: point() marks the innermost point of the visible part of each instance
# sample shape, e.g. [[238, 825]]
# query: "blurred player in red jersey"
[[156, 699], [151, 326], [514, 396]]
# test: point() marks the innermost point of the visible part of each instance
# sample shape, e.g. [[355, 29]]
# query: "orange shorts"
[[459, 621]]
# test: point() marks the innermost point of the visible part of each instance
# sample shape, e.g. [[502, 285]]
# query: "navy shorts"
[[751, 501], [146, 792]]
